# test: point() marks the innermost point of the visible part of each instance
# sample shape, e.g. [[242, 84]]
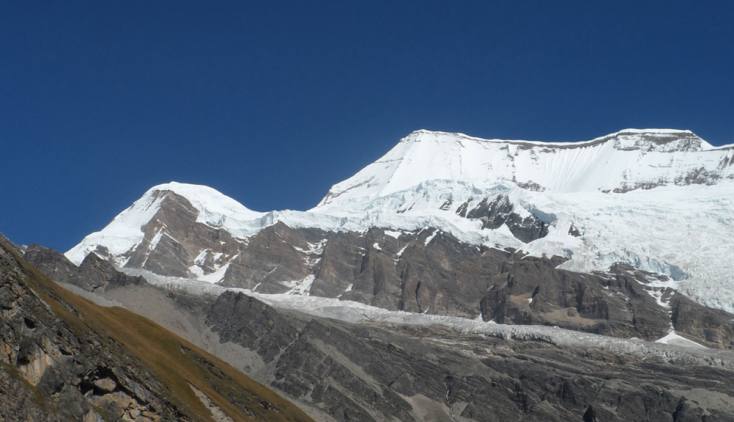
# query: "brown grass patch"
[[175, 362]]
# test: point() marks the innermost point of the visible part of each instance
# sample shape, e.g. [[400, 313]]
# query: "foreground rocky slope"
[[374, 370], [64, 358]]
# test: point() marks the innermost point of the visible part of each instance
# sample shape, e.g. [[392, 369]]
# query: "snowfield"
[[618, 160], [661, 200]]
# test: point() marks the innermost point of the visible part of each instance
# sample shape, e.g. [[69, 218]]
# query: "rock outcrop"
[[500, 210], [93, 273], [432, 272], [374, 371], [370, 372], [63, 358]]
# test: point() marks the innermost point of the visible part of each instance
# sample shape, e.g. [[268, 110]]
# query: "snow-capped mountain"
[[627, 160], [127, 230], [659, 200]]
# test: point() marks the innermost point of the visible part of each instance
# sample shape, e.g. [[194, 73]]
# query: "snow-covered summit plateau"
[[660, 200], [626, 160]]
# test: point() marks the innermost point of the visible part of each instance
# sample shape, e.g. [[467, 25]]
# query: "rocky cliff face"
[[424, 271], [93, 273], [499, 211], [433, 272], [371, 372], [374, 371], [64, 359]]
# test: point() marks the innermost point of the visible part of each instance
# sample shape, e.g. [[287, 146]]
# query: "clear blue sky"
[[272, 102]]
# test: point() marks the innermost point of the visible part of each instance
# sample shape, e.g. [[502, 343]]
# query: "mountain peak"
[[126, 231], [619, 161], [207, 200], [659, 136], [420, 135]]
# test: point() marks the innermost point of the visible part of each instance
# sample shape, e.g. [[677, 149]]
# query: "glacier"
[[670, 347]]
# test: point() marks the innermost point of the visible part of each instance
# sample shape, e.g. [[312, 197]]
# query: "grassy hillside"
[[177, 364]]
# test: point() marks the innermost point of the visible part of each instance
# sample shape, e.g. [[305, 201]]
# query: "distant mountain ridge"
[[454, 278], [630, 197]]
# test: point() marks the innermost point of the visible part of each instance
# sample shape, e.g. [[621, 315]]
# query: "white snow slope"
[[125, 230], [661, 200], [619, 160]]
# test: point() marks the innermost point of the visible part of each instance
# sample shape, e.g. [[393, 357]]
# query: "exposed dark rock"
[[574, 231], [376, 372], [93, 273], [699, 176], [276, 254], [499, 211], [671, 142], [531, 291], [711, 327], [256, 332], [530, 185], [433, 272], [421, 271], [43, 352], [367, 372], [628, 187], [63, 358], [174, 239]]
